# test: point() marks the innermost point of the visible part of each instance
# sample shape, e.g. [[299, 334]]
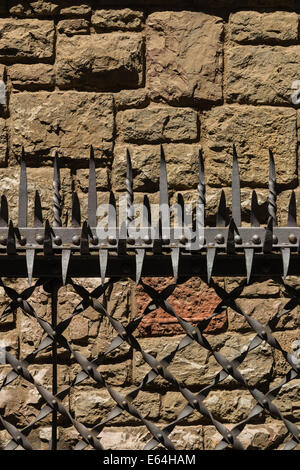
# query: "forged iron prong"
[[221, 214], [22, 216], [236, 190], [230, 245], [30, 254], [210, 261], [11, 239], [200, 205], [286, 255], [4, 212], [129, 192], [268, 241], [92, 194], [249, 255], [103, 256], [139, 260], [175, 262], [157, 241], [76, 216], [48, 250], [292, 211], [38, 216], [272, 207], [164, 208], [84, 239], [254, 220], [56, 194], [65, 260]]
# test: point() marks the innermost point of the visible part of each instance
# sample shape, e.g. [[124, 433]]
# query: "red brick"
[[193, 301]]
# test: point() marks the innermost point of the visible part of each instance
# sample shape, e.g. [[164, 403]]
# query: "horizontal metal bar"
[[154, 266]]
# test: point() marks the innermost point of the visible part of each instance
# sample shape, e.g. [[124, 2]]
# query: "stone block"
[[252, 27], [75, 8], [68, 122], [250, 128], [174, 41], [32, 77], [31, 9], [23, 39], [125, 19], [261, 74], [3, 141], [100, 61], [131, 99], [153, 125], [73, 26]]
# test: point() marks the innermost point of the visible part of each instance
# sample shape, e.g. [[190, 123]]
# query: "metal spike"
[[286, 255], [11, 239], [221, 214], [76, 215], [92, 195], [292, 212], [4, 212], [129, 192], [210, 260], [112, 212], [139, 261], [230, 245], [22, 216], [249, 255], [65, 260], [38, 216], [84, 239], [268, 241], [254, 220], [30, 254], [146, 215], [103, 256], [236, 190], [200, 208], [48, 250], [56, 194], [164, 199], [272, 207], [175, 262]]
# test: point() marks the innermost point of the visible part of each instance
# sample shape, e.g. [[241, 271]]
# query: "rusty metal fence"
[[177, 244]]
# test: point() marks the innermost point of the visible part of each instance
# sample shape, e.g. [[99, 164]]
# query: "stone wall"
[[77, 73]]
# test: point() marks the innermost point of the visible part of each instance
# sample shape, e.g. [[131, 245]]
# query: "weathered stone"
[[261, 287], [79, 328], [194, 301], [252, 27], [73, 26], [193, 365], [100, 61], [250, 128], [21, 39], [174, 40], [3, 141], [32, 77], [286, 340], [81, 179], [9, 341], [283, 205], [33, 8], [125, 19], [152, 125], [46, 122], [131, 99], [287, 400], [92, 406], [263, 311], [74, 8], [182, 161], [124, 438], [253, 437], [261, 74]]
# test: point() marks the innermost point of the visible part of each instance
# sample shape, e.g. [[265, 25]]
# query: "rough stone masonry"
[[76, 73]]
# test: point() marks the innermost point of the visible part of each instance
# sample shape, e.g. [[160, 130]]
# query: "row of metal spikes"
[[87, 240]]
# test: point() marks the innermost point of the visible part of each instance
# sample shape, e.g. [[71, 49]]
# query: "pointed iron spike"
[[38, 216], [129, 190], [4, 212], [268, 241], [210, 260], [76, 215], [200, 205], [48, 250], [92, 194], [112, 213], [30, 253], [65, 260], [56, 194], [272, 207], [163, 192], [221, 214], [292, 212], [254, 210], [175, 262], [157, 242], [249, 254], [230, 245], [146, 212], [103, 256], [11, 239], [22, 216], [286, 255], [139, 260], [236, 190], [84, 239]]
